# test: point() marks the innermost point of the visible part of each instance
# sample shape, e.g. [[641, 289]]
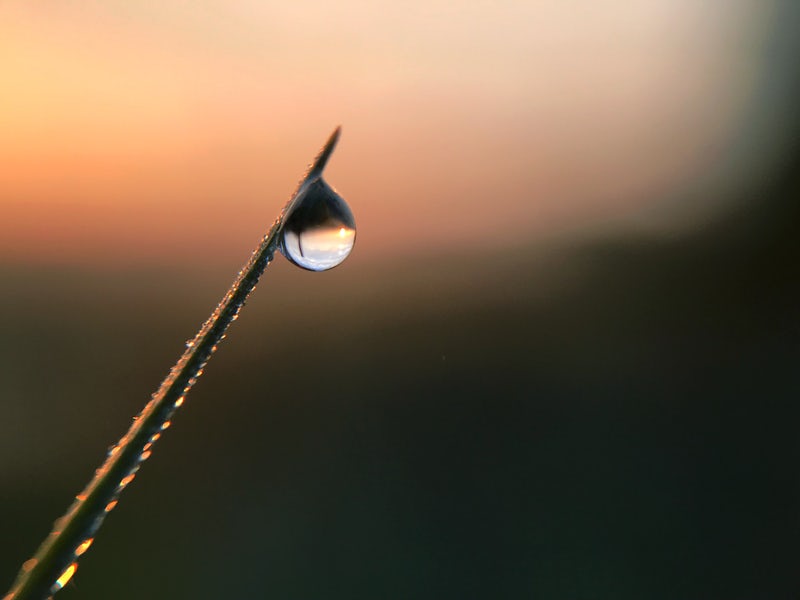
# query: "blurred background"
[[561, 361]]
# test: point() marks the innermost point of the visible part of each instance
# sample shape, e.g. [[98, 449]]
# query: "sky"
[[158, 133]]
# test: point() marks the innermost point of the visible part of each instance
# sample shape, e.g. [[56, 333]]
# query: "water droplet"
[[83, 547], [319, 231], [29, 564], [64, 578]]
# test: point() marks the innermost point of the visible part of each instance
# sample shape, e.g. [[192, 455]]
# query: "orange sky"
[[167, 131]]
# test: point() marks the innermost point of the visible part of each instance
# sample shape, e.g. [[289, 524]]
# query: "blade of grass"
[[56, 559]]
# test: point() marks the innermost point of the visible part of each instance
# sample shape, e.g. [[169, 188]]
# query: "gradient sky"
[[164, 132]]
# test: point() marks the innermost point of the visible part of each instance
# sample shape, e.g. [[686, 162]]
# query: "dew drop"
[[64, 578], [83, 547], [319, 232], [29, 564]]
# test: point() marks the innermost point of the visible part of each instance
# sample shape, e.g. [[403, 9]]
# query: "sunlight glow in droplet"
[[319, 249], [83, 547], [65, 576]]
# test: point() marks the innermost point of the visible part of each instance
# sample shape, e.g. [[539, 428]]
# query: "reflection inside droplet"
[[320, 231]]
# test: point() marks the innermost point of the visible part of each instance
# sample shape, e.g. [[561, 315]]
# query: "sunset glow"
[[127, 131]]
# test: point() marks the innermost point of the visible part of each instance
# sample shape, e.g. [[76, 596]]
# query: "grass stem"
[[57, 558]]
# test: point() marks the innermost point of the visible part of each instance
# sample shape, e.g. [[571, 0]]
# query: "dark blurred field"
[[610, 418]]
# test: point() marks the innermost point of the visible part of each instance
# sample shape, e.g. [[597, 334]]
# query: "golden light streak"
[[83, 547], [66, 576]]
